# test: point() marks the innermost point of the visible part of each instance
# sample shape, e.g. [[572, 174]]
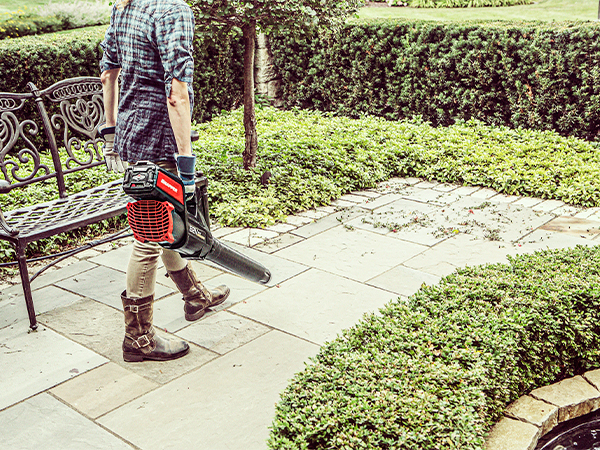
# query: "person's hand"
[[186, 169], [111, 157]]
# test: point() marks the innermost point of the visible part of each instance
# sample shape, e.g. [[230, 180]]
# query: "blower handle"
[[202, 197]]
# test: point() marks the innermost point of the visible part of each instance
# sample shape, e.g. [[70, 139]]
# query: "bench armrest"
[[4, 226]]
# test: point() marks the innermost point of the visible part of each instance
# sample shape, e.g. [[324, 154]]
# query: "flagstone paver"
[[432, 196], [250, 236], [224, 231], [403, 280], [298, 220], [466, 190], [52, 276], [536, 412], [343, 216], [45, 299], [315, 305], [357, 254], [117, 259], [281, 241], [548, 205], [572, 225], [573, 396], [104, 285], [44, 422], [281, 227], [528, 202], [102, 389], [223, 332], [503, 198], [34, 362], [484, 193], [314, 214], [228, 403]]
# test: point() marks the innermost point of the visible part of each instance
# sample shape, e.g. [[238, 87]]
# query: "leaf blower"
[[162, 212]]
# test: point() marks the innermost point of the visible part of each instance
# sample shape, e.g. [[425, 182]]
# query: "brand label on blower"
[[169, 186]]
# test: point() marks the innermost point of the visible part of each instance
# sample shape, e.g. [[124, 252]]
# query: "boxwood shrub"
[[48, 58], [437, 370], [543, 76]]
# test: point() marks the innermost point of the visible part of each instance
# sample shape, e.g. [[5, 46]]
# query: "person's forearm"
[[178, 105], [110, 94]]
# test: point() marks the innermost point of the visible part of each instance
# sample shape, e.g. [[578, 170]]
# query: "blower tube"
[[238, 263]]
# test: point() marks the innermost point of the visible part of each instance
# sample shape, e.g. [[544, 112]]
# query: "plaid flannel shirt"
[[151, 42]]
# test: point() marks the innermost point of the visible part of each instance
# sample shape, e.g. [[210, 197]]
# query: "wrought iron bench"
[[70, 110]]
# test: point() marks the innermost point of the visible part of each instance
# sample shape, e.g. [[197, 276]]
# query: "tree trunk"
[[249, 33]]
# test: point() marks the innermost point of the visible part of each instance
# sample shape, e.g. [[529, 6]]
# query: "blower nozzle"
[[163, 213]]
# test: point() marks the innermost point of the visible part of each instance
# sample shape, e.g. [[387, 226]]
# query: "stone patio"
[[67, 387]]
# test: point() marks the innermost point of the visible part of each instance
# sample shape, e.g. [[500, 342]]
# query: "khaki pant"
[[141, 271]]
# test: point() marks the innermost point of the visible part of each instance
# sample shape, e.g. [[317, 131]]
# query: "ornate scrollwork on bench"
[[19, 165], [69, 89], [83, 117], [11, 104]]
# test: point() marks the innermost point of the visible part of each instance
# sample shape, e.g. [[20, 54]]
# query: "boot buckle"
[[133, 308], [145, 341], [137, 308]]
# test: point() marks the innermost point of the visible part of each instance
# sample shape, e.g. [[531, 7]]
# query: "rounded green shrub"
[[437, 370]]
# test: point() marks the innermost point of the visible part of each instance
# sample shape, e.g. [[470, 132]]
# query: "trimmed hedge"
[[544, 76], [436, 371], [26, 25], [46, 59]]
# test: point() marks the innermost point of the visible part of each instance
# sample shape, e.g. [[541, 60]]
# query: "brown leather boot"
[[141, 342], [196, 297]]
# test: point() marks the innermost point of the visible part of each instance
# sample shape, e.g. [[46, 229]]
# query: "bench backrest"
[[69, 113]]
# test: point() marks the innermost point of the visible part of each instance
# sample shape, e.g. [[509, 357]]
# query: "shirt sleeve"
[[175, 36], [110, 56]]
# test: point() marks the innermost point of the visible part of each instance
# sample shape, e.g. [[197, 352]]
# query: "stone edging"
[[530, 417]]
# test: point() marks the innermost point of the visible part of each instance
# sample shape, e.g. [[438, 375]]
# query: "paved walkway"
[[67, 387]]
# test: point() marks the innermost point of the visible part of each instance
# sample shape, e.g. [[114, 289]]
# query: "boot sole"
[[137, 357], [197, 315]]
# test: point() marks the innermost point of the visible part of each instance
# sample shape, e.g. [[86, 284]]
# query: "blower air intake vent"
[[151, 220]]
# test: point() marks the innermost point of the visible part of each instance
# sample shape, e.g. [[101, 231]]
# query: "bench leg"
[[26, 285]]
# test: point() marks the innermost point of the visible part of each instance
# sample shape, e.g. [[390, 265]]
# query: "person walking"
[[148, 51]]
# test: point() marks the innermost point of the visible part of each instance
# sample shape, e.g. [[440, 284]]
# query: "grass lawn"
[[15, 5], [547, 10]]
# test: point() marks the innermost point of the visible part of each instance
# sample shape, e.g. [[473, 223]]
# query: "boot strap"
[[143, 341], [137, 308], [187, 275]]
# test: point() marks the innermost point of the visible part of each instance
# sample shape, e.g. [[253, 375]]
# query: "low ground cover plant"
[[314, 158], [436, 371]]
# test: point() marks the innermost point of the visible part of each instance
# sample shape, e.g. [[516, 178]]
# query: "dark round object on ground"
[[582, 433]]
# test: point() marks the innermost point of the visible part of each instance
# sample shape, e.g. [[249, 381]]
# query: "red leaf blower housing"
[[163, 213]]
